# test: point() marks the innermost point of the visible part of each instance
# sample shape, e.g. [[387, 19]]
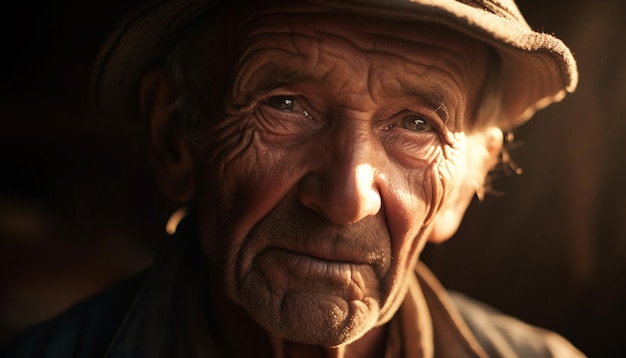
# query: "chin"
[[309, 317]]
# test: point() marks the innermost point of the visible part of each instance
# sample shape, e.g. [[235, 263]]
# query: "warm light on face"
[[329, 164], [369, 197]]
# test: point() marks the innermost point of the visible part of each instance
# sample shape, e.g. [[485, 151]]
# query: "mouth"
[[306, 270], [299, 261]]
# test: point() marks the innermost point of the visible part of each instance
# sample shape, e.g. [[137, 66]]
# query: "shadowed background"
[[79, 209]]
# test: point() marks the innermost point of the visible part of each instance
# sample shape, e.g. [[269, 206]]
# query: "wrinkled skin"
[[341, 147]]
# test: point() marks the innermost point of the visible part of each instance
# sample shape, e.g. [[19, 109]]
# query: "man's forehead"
[[300, 28], [284, 42], [308, 17]]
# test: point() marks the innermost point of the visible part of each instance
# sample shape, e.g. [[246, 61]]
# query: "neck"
[[371, 345]]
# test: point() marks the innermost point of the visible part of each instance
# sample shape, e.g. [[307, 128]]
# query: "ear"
[[483, 149], [171, 152]]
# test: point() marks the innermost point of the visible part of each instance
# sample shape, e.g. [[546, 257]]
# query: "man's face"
[[341, 139]]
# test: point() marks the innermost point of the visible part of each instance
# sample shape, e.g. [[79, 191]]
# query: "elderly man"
[[319, 145]]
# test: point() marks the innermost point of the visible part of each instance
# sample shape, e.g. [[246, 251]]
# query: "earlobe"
[[171, 153], [483, 151]]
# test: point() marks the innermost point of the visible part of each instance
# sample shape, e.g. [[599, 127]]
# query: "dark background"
[[79, 209]]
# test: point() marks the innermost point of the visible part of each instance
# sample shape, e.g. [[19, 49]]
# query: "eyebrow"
[[433, 97], [271, 76], [247, 88]]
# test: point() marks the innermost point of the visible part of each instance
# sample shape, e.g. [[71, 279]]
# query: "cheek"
[[416, 186], [411, 200], [455, 170], [242, 178]]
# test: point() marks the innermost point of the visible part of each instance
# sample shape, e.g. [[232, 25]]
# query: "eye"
[[287, 104], [417, 124]]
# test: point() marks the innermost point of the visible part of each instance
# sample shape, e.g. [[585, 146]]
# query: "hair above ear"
[[171, 153]]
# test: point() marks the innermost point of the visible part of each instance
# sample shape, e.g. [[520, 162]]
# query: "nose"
[[344, 186]]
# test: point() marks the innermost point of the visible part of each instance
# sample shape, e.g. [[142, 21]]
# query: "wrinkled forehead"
[[292, 34], [301, 20], [311, 18]]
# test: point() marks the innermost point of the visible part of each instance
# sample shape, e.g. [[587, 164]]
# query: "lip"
[[304, 266], [335, 248], [324, 251]]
